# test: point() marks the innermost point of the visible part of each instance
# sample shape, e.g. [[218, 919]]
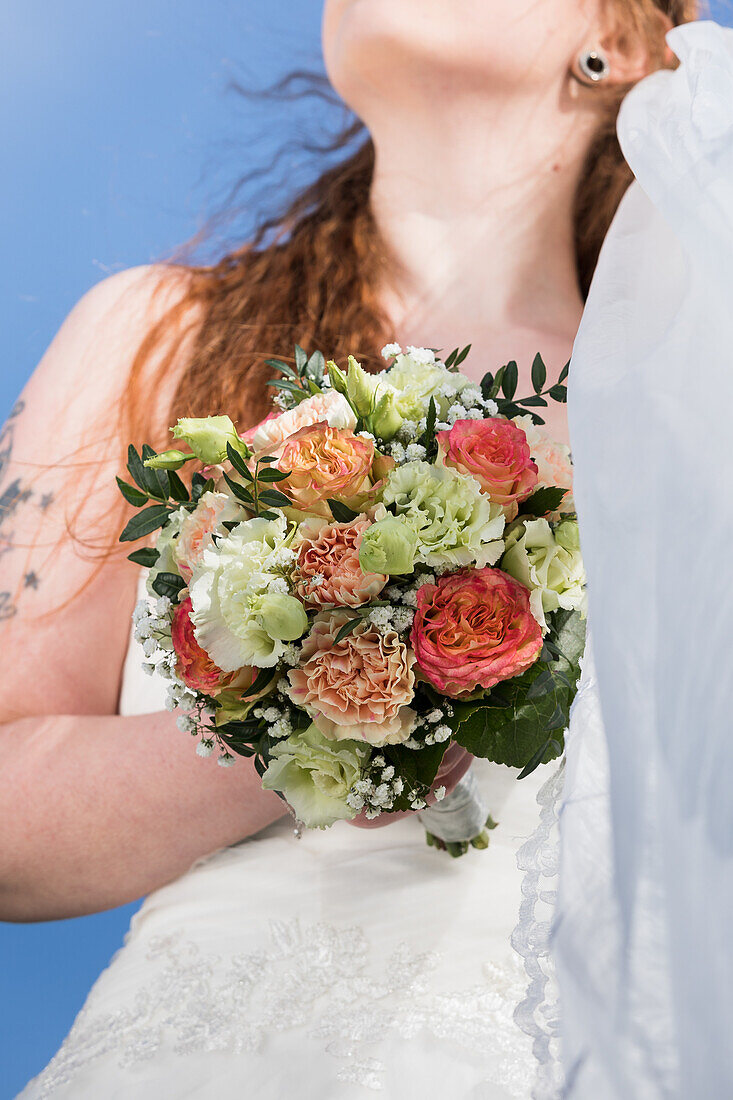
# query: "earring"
[[593, 67]]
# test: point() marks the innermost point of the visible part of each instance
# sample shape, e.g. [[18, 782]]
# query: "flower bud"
[[168, 460], [208, 436], [360, 388], [567, 534], [337, 376], [388, 547], [386, 419], [282, 617]]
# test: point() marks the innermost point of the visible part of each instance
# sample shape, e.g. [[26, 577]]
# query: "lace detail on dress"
[[538, 1013], [320, 978]]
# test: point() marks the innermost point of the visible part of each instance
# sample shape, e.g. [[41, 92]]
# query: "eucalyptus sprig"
[[502, 387]]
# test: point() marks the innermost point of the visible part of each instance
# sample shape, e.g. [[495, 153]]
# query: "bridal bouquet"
[[386, 566]]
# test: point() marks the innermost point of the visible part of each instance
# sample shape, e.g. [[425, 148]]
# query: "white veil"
[[642, 935]]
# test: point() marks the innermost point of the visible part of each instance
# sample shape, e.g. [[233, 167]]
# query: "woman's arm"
[[95, 809]]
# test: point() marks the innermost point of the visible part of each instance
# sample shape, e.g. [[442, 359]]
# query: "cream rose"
[[323, 408]]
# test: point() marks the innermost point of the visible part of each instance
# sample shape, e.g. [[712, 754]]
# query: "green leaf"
[[273, 498], [150, 519], [295, 391], [317, 366], [534, 402], [238, 463], [156, 481], [268, 515], [145, 556], [261, 681], [559, 393], [131, 494], [200, 485], [272, 475], [341, 512], [284, 368], [536, 760], [135, 467], [178, 490], [539, 373], [347, 629], [239, 491], [564, 372], [451, 358], [509, 380], [462, 355], [301, 359], [168, 584], [542, 502]]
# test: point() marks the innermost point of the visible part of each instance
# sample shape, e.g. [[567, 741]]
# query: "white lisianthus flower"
[[315, 775], [236, 620], [454, 522], [416, 376], [551, 567]]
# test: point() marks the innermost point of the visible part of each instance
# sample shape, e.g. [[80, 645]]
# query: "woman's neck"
[[474, 201]]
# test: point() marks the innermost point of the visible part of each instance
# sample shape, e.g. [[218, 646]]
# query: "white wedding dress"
[[352, 961]]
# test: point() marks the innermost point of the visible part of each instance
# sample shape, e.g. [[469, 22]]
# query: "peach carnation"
[[328, 573], [198, 528], [330, 408], [494, 451], [358, 687], [553, 461], [472, 629], [325, 462]]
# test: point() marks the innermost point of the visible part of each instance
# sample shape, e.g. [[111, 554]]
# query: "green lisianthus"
[[416, 376], [315, 775], [550, 566], [208, 437], [388, 547]]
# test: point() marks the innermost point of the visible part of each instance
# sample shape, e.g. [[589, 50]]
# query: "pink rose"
[[496, 453], [330, 408], [325, 462], [472, 629], [328, 572], [358, 687], [554, 464], [194, 666], [199, 527]]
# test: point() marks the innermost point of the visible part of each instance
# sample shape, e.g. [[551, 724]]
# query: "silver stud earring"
[[593, 67]]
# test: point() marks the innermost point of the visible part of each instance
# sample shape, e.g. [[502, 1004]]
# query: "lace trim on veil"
[[538, 1014]]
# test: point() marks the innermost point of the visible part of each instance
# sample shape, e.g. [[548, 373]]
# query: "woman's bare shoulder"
[[90, 358]]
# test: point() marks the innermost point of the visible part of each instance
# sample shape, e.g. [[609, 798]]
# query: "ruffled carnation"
[[325, 462], [455, 523], [199, 527], [473, 629], [358, 687], [497, 454], [328, 571]]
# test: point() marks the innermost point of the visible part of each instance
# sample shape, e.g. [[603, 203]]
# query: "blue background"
[[117, 132]]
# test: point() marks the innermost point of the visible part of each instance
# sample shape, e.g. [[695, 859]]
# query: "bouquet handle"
[[460, 820]]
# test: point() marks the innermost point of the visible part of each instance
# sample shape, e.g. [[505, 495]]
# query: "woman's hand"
[[456, 763]]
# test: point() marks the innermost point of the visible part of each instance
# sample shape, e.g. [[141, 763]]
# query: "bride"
[[351, 960]]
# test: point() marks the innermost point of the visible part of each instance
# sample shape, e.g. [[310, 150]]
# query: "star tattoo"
[[31, 580]]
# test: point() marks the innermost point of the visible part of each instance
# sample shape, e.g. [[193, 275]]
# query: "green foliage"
[[418, 768], [428, 438], [521, 722], [341, 512], [146, 556], [142, 524], [542, 502], [168, 584], [502, 388]]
